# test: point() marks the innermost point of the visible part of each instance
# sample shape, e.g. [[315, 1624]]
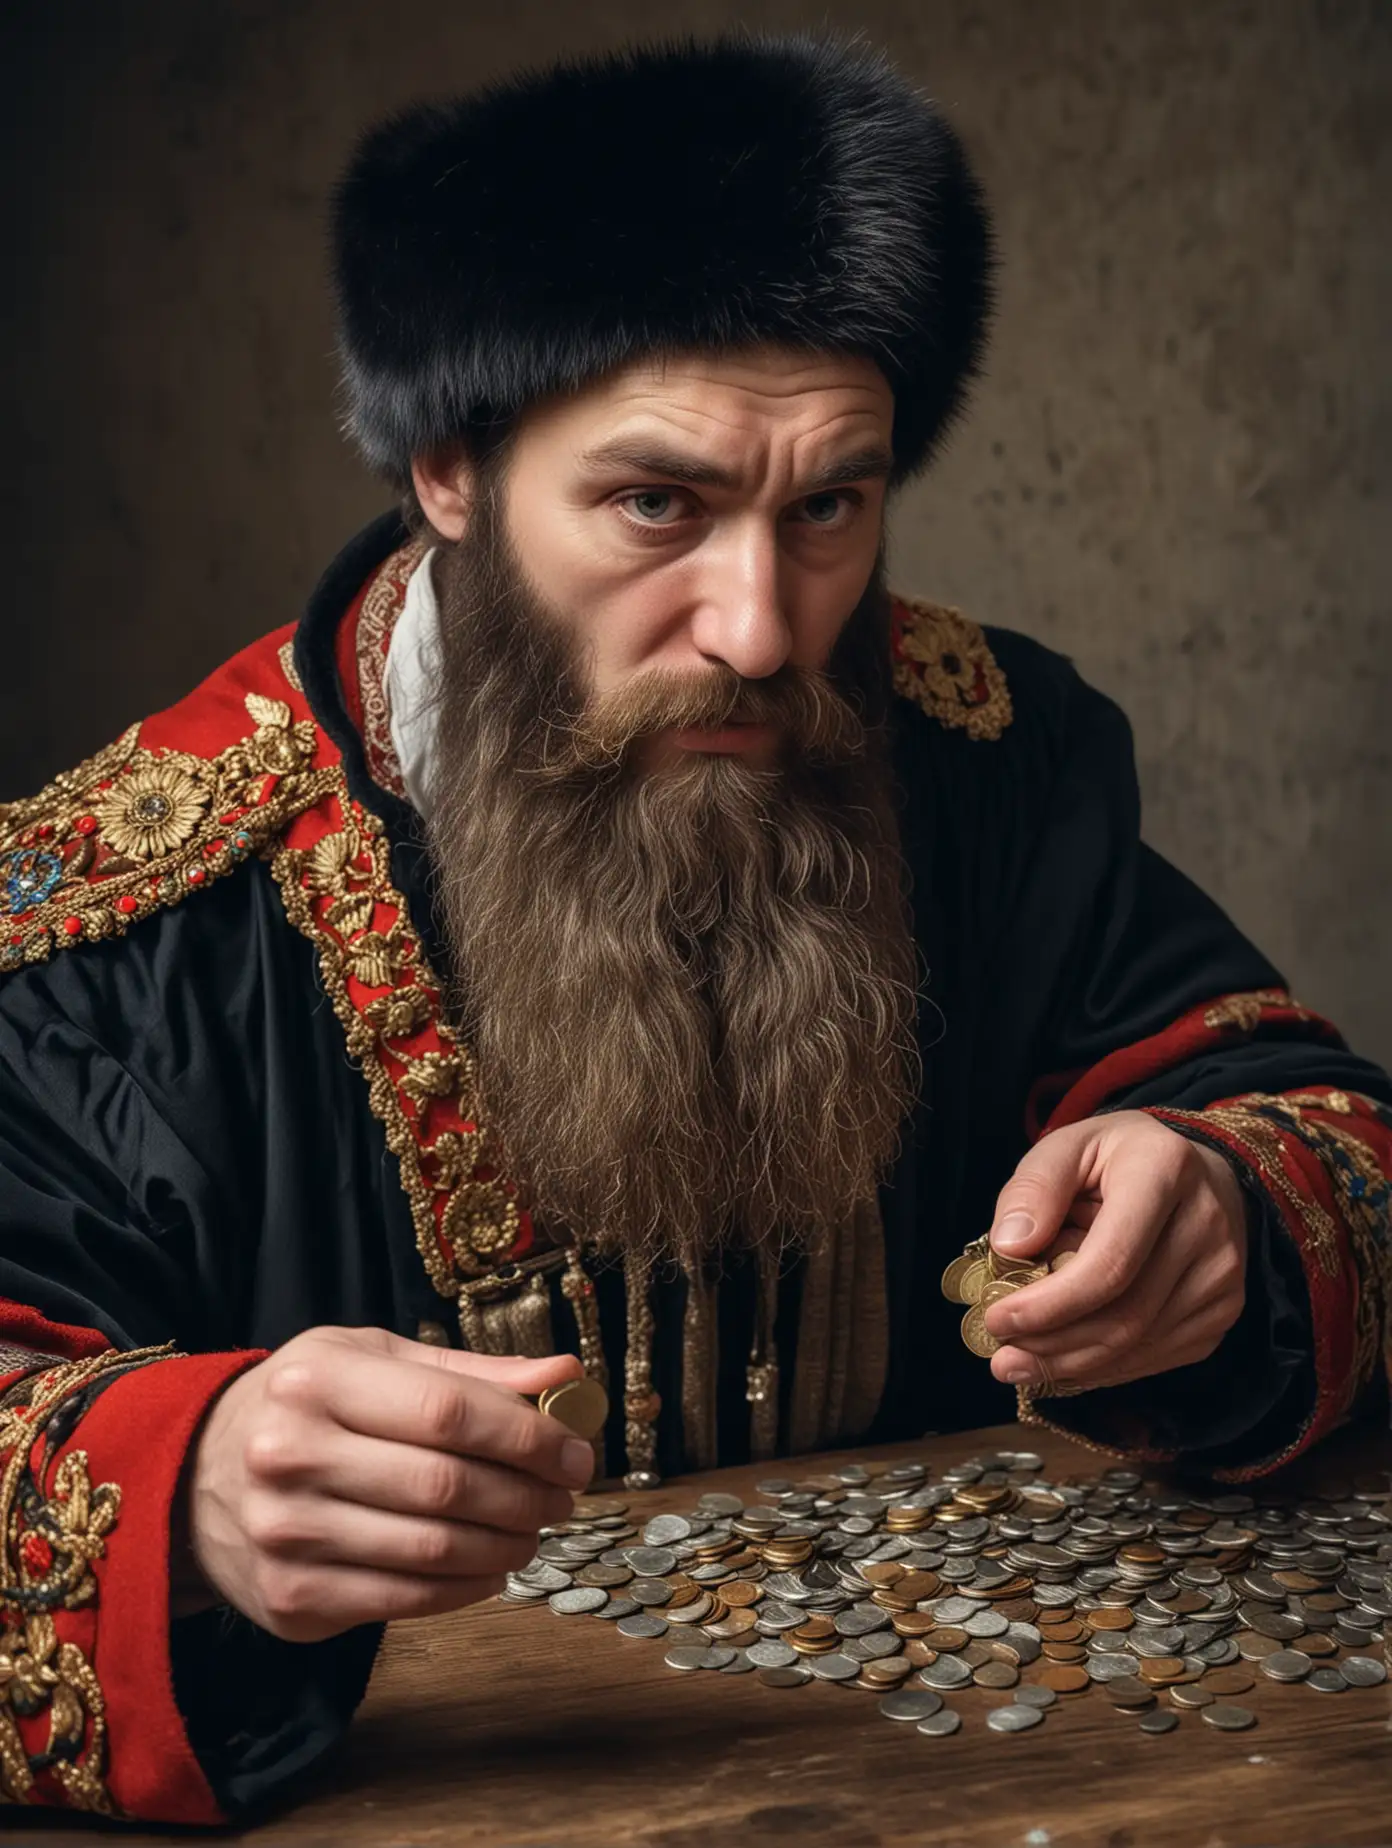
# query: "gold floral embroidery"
[[285, 654], [133, 830], [153, 810], [339, 893], [53, 1525], [1245, 1011], [943, 662]]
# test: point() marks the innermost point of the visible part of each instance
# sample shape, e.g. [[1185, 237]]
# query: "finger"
[[1140, 1197], [304, 1604], [438, 1409], [1036, 1200], [408, 1479], [516, 1372], [316, 1530], [1131, 1317], [1179, 1343]]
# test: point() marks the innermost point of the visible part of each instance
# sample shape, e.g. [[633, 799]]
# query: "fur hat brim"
[[500, 248]]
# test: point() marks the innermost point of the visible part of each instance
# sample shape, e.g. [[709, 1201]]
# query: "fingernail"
[[1019, 1376], [577, 1460], [1015, 1229]]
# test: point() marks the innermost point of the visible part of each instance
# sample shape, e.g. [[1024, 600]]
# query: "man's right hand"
[[356, 1477]]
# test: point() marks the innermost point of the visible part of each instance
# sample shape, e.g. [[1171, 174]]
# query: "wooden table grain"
[[508, 1727]]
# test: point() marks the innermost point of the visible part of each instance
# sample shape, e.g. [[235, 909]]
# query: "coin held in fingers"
[[582, 1406]]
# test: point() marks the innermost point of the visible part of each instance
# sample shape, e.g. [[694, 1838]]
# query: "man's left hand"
[[1159, 1227]]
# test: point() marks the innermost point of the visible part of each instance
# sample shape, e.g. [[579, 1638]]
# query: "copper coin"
[[733, 1624], [915, 1585], [1019, 1610], [739, 1592], [885, 1572], [1109, 1619], [1190, 1699], [1129, 1693], [1298, 1581], [815, 1630], [976, 1653], [1070, 1632], [1065, 1652], [1161, 1668], [1064, 1678], [1253, 1647], [996, 1675], [1315, 1644], [913, 1623], [886, 1671], [918, 1652], [947, 1636], [1232, 1680]]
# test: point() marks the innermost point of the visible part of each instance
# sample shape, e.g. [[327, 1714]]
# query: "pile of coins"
[[982, 1276], [1163, 1603]]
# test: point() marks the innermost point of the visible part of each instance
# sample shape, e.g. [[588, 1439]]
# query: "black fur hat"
[[498, 248]]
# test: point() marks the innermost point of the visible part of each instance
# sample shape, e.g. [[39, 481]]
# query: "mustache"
[[817, 720]]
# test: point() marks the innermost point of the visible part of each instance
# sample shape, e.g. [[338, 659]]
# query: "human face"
[[705, 509]]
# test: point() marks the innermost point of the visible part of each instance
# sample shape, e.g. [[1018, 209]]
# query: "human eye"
[[653, 507], [829, 511]]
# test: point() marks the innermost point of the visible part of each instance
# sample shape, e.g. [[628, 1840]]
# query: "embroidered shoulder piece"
[[53, 1526], [944, 664], [134, 830]]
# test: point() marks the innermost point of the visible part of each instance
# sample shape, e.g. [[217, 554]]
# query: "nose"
[[739, 615]]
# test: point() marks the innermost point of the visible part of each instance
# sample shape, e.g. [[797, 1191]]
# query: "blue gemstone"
[[30, 875]]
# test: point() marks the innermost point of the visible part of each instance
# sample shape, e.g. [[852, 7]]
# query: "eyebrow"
[[871, 463]]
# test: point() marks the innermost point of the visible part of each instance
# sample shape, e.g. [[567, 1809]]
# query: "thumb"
[[513, 1372], [1035, 1202]]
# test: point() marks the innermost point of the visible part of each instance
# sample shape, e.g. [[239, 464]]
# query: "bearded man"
[[611, 932]]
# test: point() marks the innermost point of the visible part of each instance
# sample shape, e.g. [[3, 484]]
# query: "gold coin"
[[581, 1406], [1060, 1258], [953, 1275], [976, 1335], [974, 1281], [1064, 1678]]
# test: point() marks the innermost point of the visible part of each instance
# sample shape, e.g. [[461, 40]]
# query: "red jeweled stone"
[[86, 824], [196, 875], [73, 926], [125, 904], [36, 1553]]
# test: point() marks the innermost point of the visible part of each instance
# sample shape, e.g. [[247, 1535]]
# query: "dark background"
[[1176, 469]]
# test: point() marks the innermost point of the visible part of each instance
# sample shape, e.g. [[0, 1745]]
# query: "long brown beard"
[[691, 993]]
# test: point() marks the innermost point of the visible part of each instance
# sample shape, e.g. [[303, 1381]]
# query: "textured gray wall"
[[1174, 469]]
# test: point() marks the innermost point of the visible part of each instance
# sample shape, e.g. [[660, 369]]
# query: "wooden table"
[[509, 1727]]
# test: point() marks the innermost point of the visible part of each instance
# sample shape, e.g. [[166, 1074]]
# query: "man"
[[610, 932]]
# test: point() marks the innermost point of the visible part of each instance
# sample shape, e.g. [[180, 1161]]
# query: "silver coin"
[[719, 1655], [580, 1598], [1013, 1719], [542, 1576], [1229, 1719], [1286, 1665], [777, 1616], [663, 1529], [955, 1610], [741, 1665], [910, 1704], [860, 1623], [1161, 1721], [685, 1656], [619, 1607], [641, 1625], [944, 1674], [794, 1676], [833, 1667], [940, 1725], [716, 1503], [649, 1591], [1327, 1680], [1362, 1672], [772, 1654], [871, 1648], [986, 1623], [650, 1561], [1033, 1696]]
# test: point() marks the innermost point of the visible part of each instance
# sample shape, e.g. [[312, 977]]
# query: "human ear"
[[444, 484]]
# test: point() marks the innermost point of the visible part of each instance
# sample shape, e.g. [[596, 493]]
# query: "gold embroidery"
[[53, 1525], [943, 662], [132, 831], [1245, 1011], [339, 894]]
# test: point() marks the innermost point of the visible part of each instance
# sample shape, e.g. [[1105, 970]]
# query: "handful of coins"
[[982, 1276]]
